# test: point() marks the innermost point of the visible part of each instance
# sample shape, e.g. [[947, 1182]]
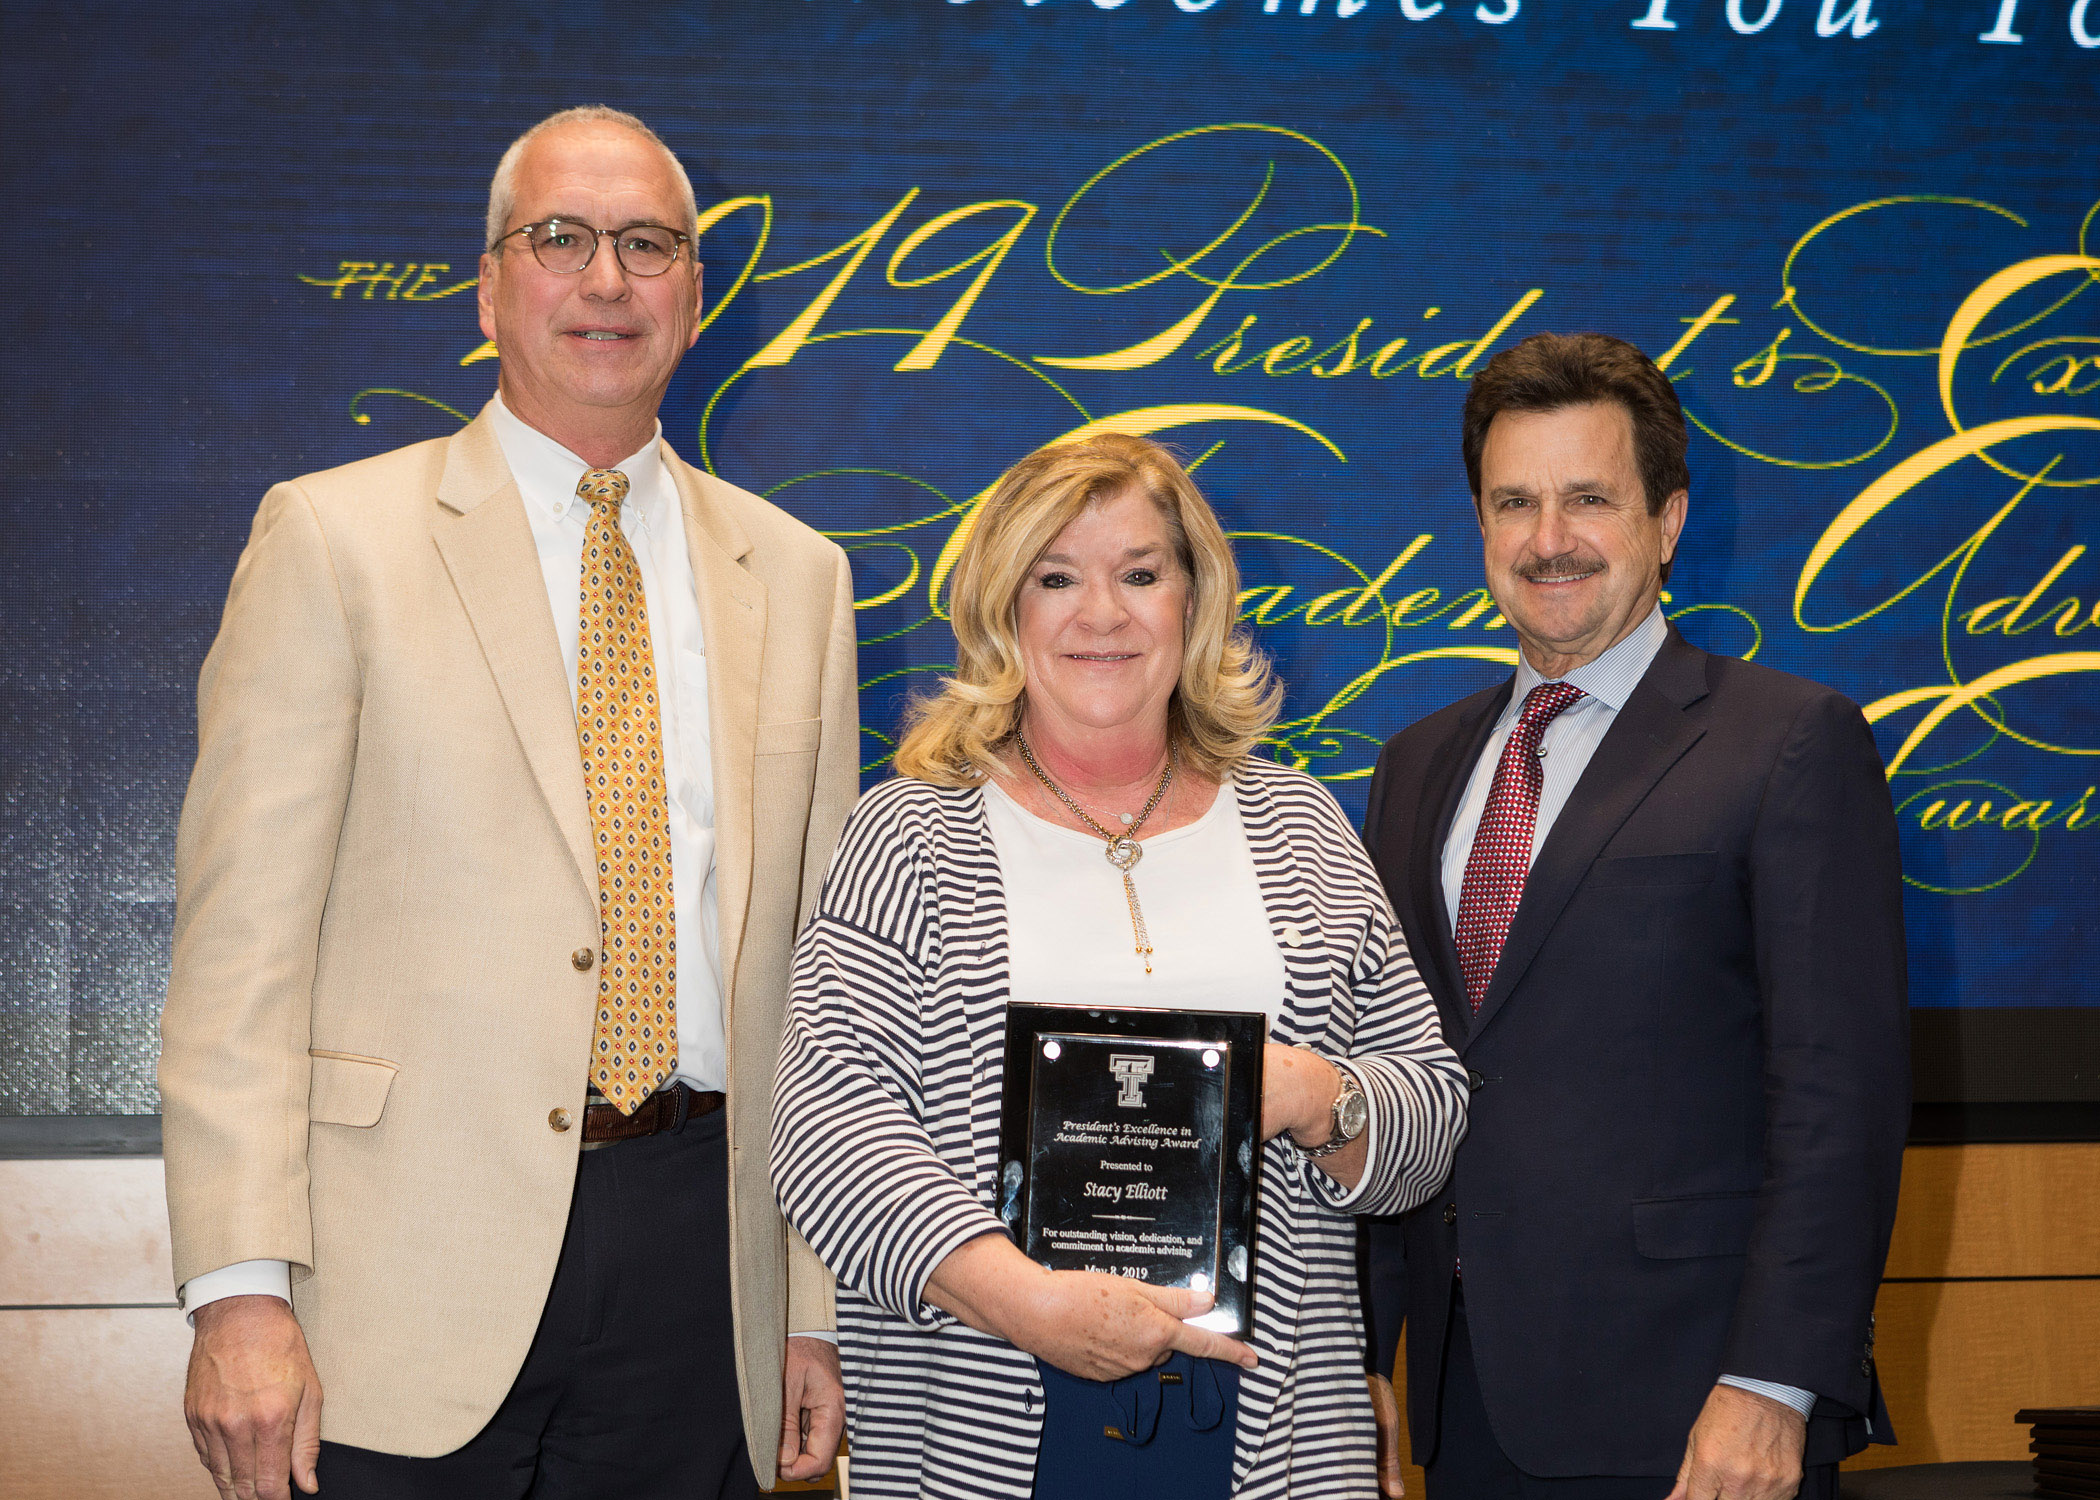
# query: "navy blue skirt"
[[1165, 1434]]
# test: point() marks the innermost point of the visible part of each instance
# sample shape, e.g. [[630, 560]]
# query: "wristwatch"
[[1351, 1113]]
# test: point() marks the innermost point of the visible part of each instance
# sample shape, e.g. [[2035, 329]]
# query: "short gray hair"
[[503, 187]]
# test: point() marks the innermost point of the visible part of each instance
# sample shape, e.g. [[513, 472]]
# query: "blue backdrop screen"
[[1280, 234]]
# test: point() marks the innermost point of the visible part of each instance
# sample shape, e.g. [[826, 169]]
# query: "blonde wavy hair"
[[1227, 696]]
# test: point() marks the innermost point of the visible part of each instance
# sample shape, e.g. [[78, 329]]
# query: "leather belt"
[[666, 1109]]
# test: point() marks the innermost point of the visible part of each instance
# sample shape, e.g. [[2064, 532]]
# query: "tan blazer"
[[382, 873]]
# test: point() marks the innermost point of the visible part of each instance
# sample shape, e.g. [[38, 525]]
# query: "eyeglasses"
[[565, 246]]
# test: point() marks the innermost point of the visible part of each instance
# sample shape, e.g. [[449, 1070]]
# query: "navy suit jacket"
[[1691, 1075]]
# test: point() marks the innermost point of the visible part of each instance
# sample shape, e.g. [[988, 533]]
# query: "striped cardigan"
[[886, 1138]]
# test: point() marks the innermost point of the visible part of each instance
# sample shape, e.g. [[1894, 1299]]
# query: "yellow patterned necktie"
[[635, 1046]]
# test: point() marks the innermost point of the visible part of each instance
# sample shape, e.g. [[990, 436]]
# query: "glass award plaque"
[[1128, 1145]]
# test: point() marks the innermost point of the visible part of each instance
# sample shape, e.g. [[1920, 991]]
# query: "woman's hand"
[[1087, 1324], [1298, 1090], [1105, 1327]]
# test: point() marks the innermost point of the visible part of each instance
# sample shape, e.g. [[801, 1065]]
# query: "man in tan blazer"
[[403, 974]]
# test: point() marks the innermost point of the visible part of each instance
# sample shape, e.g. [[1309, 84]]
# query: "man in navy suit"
[[1656, 894]]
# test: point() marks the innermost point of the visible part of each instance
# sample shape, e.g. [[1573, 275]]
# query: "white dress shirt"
[[654, 524], [1565, 751]]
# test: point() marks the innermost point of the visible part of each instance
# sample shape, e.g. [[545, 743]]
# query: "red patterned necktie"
[[1501, 857]]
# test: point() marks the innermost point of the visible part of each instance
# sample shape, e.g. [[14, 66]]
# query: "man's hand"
[[812, 1408], [1743, 1447], [1385, 1406], [253, 1401]]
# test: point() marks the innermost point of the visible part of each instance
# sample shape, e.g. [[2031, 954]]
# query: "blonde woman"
[[1100, 691]]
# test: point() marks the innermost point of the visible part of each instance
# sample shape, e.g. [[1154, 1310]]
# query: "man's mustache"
[[1560, 567]]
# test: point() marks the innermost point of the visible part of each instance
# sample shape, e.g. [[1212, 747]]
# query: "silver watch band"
[[1337, 1140]]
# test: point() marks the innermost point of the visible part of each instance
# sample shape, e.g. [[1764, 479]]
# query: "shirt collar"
[[1612, 677], [547, 473]]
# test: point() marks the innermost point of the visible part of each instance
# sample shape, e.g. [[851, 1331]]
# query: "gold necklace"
[[1123, 851]]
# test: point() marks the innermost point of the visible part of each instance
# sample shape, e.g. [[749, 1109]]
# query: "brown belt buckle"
[[666, 1109]]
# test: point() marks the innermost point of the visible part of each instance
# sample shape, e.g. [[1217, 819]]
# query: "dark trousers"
[[1164, 1434], [1470, 1464], [629, 1391]]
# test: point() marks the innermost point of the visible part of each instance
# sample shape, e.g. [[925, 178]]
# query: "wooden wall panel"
[[91, 1231], [91, 1403], [1998, 1211], [1958, 1358]]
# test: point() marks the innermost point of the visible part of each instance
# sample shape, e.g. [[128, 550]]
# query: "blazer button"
[[583, 958], [1474, 1082], [558, 1120], [1450, 1213]]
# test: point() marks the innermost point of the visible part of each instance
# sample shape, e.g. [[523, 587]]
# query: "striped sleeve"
[[1394, 1044], [856, 1172]]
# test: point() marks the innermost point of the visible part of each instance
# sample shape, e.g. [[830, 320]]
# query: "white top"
[[1068, 934], [654, 524]]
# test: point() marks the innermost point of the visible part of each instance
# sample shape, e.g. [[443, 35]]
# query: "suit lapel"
[[1443, 788], [482, 534], [733, 627], [1649, 736]]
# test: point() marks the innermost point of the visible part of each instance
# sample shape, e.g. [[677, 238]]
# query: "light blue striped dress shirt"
[[1569, 742]]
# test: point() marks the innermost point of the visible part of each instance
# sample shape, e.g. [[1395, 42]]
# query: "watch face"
[[1352, 1113]]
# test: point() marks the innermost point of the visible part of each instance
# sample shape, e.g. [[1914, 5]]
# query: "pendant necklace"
[[1123, 850]]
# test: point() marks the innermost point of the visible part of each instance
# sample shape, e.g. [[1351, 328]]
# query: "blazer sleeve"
[[1393, 1045], [838, 752], [855, 1168], [1826, 897], [277, 711], [811, 1290]]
